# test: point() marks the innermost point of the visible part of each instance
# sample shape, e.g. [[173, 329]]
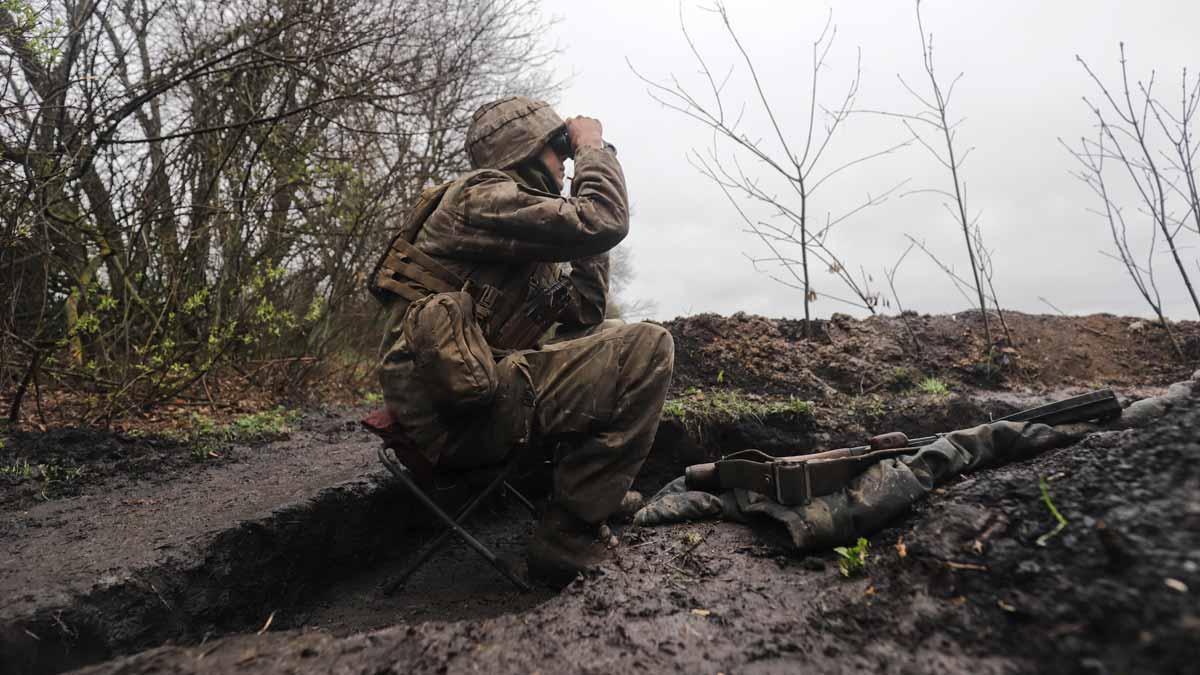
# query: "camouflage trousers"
[[594, 401]]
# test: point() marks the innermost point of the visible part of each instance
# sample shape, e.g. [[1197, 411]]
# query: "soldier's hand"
[[585, 132]]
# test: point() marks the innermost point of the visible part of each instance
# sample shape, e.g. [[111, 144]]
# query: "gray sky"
[[1020, 92]]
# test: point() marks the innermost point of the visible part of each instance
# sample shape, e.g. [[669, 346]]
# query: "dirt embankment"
[[880, 354]]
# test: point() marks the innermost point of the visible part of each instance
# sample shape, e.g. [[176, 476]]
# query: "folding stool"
[[380, 423]]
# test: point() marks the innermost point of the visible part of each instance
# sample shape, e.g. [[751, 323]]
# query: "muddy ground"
[[296, 536], [959, 586]]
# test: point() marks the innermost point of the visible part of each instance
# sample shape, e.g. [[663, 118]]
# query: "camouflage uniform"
[[504, 226]]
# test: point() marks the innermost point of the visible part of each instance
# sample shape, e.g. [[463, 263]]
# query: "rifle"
[[797, 479]]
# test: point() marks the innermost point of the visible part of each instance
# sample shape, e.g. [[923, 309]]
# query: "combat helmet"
[[507, 132]]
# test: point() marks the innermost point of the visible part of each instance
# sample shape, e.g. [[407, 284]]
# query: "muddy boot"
[[562, 547]]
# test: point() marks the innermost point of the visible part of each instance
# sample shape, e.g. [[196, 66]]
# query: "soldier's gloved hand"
[[585, 132]]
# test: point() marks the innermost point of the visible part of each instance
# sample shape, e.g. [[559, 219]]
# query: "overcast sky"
[[1020, 92]]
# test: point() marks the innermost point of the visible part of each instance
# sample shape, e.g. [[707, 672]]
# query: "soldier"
[[594, 396]]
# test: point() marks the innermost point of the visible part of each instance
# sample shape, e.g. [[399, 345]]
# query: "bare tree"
[[933, 127], [796, 233], [1159, 168], [1092, 155]]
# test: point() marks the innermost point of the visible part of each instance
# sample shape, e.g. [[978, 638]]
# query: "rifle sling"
[[796, 481]]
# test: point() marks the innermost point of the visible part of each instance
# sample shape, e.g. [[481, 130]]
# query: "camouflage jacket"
[[494, 229]]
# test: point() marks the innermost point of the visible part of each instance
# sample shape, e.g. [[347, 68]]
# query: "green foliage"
[[373, 398], [265, 424], [934, 386], [1062, 522], [852, 560], [720, 377], [39, 36], [196, 301]]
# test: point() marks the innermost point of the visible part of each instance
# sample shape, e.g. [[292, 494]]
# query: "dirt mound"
[[851, 356]]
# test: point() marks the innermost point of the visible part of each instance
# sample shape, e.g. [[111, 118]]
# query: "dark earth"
[[270, 557]]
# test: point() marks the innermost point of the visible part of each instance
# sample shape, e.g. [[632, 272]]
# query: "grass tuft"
[[934, 386]]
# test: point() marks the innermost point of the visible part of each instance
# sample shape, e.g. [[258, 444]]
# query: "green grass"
[[852, 560], [53, 477], [208, 439], [934, 386], [729, 405]]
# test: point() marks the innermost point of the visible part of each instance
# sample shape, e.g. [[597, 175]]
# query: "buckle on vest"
[[777, 479], [485, 299]]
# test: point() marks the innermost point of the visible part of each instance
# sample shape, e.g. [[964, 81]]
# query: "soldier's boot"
[[562, 547]]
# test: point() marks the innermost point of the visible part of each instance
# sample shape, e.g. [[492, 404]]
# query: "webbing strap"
[[427, 265], [406, 291], [796, 481], [420, 274]]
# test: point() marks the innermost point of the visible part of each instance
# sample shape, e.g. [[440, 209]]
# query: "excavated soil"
[[295, 537], [852, 357]]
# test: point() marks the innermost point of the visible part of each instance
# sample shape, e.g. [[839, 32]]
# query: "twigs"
[[890, 274], [1150, 181], [932, 117], [1125, 143]]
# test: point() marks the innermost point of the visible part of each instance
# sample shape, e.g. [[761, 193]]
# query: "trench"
[[321, 563]]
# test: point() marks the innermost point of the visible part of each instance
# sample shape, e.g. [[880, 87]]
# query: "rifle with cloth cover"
[[797, 479]]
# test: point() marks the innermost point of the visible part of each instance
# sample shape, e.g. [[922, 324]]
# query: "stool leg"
[[521, 498], [453, 526]]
